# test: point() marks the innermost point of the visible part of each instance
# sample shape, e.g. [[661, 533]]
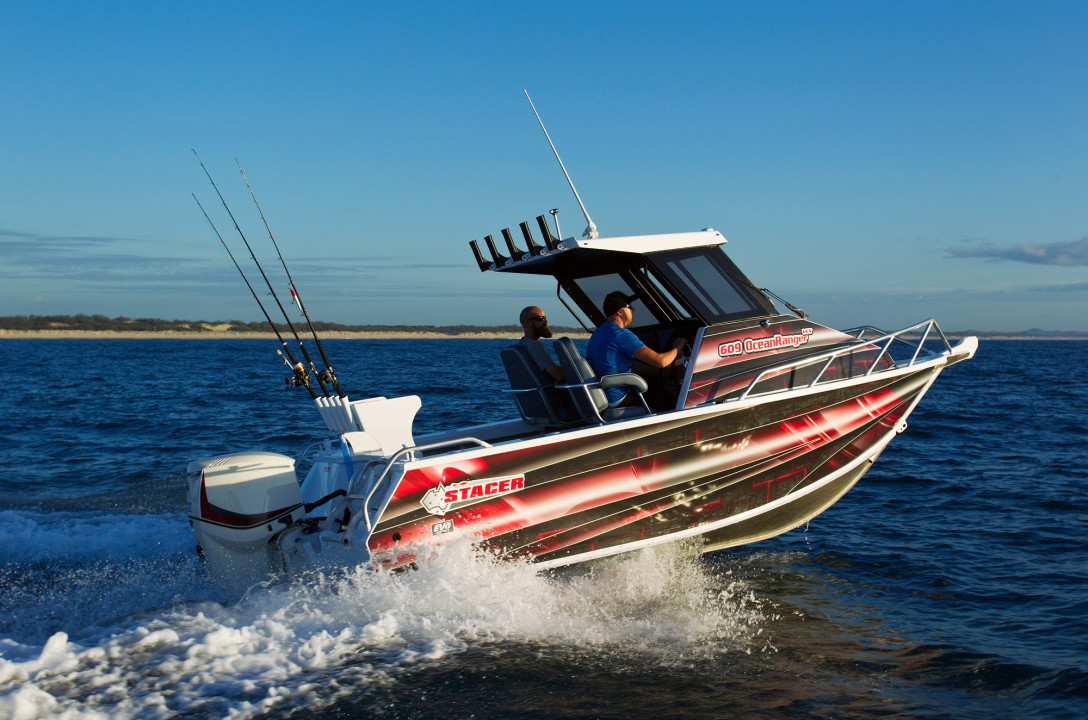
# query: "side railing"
[[301, 458], [364, 516], [883, 346]]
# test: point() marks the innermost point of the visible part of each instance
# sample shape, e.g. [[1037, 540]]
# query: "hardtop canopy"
[[679, 278], [573, 251]]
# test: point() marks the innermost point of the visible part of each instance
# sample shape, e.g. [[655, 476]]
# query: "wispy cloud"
[[1065, 254], [44, 258], [14, 241], [104, 267], [944, 297], [1081, 287]]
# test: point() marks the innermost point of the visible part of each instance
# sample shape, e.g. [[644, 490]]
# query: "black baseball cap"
[[616, 300]]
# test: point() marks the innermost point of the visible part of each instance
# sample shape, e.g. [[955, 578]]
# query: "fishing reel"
[[326, 376], [300, 378], [297, 381]]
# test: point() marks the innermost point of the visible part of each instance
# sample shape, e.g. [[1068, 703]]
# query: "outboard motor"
[[237, 504]]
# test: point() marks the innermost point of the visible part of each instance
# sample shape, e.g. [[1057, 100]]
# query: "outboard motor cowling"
[[237, 504]]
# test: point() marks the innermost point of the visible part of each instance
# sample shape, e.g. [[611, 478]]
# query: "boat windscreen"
[[705, 278], [649, 277]]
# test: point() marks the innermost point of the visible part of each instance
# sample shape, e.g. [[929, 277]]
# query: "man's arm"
[[543, 359], [659, 360]]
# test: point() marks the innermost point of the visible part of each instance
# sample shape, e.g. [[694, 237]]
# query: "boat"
[[773, 418], [768, 421]]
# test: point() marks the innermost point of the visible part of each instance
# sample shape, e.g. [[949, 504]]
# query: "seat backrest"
[[539, 403], [589, 401]]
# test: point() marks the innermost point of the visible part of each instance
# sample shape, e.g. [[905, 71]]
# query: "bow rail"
[[886, 346]]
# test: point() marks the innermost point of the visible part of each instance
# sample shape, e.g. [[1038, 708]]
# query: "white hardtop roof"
[[650, 243], [636, 244]]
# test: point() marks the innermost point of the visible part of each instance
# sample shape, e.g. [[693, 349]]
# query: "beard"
[[545, 332]]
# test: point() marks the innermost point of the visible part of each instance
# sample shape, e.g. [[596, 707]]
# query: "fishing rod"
[[272, 290], [327, 375], [300, 378]]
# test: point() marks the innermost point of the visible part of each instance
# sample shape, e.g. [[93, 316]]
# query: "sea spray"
[[75, 572], [272, 648]]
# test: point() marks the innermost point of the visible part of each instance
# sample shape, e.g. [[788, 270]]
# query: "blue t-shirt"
[[611, 350]]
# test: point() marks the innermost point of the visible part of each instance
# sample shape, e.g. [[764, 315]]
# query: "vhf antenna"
[[591, 229]]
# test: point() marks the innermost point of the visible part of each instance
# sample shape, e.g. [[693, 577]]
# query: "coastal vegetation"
[[104, 324]]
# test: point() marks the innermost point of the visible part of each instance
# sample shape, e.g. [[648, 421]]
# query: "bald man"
[[535, 324]]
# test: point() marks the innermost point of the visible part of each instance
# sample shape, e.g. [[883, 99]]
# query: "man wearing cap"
[[613, 348]]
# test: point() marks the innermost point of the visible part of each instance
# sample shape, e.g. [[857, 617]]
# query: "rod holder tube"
[[516, 253], [500, 259], [534, 248], [484, 264], [550, 241]]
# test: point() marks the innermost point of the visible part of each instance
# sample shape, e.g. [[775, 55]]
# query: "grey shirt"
[[538, 353]]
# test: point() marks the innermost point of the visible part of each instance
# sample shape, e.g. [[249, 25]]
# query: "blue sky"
[[875, 163]]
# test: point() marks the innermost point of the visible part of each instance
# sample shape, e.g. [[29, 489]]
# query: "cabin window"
[[706, 283], [597, 288], [676, 307]]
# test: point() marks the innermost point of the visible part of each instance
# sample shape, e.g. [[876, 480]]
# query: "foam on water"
[[274, 647], [67, 572], [30, 536]]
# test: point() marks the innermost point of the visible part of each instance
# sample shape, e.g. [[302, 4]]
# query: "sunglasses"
[[538, 318]]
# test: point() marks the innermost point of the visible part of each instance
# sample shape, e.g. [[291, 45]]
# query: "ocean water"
[[952, 582]]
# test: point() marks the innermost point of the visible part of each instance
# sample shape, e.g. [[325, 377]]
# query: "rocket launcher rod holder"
[[516, 253], [500, 259], [534, 249], [551, 241], [485, 265]]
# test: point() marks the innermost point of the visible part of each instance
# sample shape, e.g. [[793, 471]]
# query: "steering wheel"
[[685, 351]]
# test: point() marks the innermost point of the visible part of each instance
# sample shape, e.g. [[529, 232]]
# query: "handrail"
[[886, 338], [312, 444], [920, 344], [859, 332], [879, 357], [320, 443], [350, 529]]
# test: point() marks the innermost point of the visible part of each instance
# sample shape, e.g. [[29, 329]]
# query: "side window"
[[597, 288]]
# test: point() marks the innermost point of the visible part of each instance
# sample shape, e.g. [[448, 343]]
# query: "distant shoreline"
[[384, 335], [170, 335]]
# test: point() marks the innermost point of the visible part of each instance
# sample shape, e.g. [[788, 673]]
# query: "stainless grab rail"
[[354, 523], [320, 444], [860, 342]]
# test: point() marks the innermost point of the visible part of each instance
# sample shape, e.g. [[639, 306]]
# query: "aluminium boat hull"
[[734, 473]]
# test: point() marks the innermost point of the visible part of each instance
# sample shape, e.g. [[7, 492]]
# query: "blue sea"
[[952, 582]]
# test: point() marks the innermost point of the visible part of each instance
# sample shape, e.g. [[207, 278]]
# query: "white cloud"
[[1064, 254]]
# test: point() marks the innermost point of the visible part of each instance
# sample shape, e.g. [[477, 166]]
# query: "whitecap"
[[314, 640]]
